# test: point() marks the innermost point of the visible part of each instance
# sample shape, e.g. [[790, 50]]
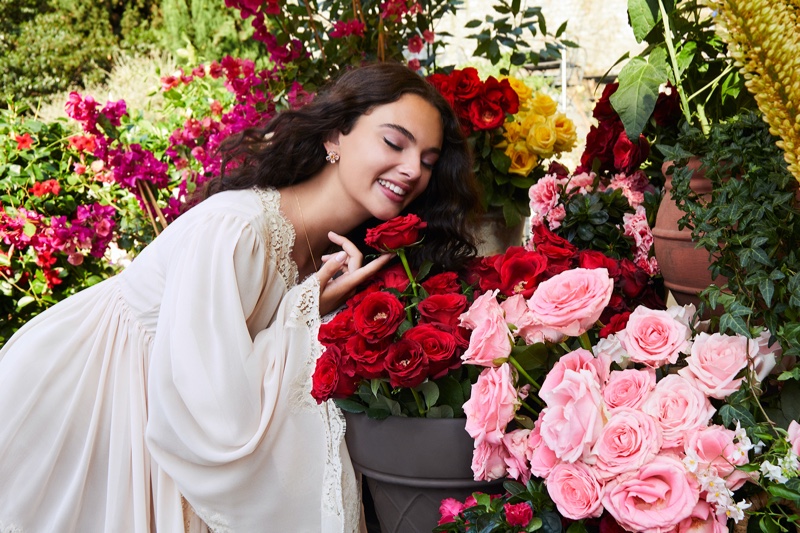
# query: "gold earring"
[[332, 157]]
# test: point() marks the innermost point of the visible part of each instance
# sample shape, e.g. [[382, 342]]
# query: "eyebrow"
[[407, 134]]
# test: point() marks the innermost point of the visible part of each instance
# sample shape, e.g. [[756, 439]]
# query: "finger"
[[360, 275], [356, 257], [330, 268]]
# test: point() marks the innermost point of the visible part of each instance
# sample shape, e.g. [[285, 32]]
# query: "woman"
[[175, 396]]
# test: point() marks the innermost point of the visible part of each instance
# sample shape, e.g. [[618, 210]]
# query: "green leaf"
[[25, 300], [639, 81], [790, 400], [28, 229], [767, 288], [644, 15], [501, 161], [734, 324], [535, 524], [730, 414], [780, 491], [350, 406], [430, 391], [473, 24], [577, 527], [440, 411]]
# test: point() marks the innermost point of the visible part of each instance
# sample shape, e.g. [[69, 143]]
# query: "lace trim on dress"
[[10, 528], [214, 521], [281, 235]]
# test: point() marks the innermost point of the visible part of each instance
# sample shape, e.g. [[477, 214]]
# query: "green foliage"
[[750, 225], [198, 30], [683, 49], [504, 37], [47, 46]]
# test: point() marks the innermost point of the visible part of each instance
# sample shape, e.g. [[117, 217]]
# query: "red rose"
[[485, 115], [502, 94], [406, 364], [444, 283], [629, 155], [443, 84], [632, 280], [358, 297], [482, 272], [443, 308], [518, 514], [668, 108], [596, 259], [521, 272], [602, 109], [394, 277], [600, 145], [338, 330], [326, 375], [378, 316], [367, 357], [466, 84], [395, 233], [558, 251], [617, 323], [439, 346]]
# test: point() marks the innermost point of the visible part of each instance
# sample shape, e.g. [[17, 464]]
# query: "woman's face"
[[387, 159]]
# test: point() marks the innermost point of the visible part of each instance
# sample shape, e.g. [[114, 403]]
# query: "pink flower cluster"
[[642, 449], [393, 10], [87, 233], [342, 28], [84, 110]]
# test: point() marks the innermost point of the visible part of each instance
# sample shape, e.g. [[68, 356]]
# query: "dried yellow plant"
[[763, 38]]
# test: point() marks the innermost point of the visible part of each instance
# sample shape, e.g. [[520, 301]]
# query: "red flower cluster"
[[520, 270], [24, 141], [40, 188], [394, 329], [343, 28], [373, 338], [479, 105], [609, 144]]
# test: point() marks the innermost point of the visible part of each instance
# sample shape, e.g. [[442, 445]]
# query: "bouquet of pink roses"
[[619, 436]]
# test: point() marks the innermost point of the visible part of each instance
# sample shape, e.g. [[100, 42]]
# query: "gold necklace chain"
[[305, 231]]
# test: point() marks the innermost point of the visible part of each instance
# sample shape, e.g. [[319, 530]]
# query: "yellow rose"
[[523, 91], [512, 131], [542, 137], [566, 137], [522, 160], [542, 104]]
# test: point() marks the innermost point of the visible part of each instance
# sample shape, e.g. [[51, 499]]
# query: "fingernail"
[[341, 256]]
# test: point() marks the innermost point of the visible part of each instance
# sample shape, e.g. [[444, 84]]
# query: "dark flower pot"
[[411, 465]]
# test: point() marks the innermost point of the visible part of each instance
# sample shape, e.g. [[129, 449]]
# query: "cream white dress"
[[175, 396]]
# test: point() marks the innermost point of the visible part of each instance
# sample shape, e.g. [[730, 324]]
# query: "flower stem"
[[420, 405], [674, 60], [530, 409], [402, 255], [523, 373], [586, 344]]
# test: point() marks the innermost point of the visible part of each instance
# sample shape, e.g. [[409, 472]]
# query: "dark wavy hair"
[[289, 149]]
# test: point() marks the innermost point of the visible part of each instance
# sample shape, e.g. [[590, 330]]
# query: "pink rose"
[[654, 499], [544, 195], [576, 360], [488, 461], [541, 458], [630, 439], [492, 405], [575, 490], [571, 302], [703, 520], [450, 508], [715, 361], [767, 357], [491, 340], [516, 443], [679, 407], [715, 448], [572, 420], [517, 313], [794, 437], [653, 337], [628, 388]]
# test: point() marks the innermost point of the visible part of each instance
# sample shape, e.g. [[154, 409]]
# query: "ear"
[[332, 141]]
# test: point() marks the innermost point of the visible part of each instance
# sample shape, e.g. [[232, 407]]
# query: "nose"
[[411, 166]]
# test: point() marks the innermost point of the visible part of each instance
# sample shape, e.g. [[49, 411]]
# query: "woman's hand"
[[335, 290]]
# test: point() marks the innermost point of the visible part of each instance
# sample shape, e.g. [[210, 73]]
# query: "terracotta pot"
[[411, 465], [685, 268], [494, 237]]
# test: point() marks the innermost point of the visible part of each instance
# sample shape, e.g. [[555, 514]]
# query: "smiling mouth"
[[392, 187]]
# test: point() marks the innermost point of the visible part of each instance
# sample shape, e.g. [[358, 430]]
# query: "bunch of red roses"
[[480, 105], [608, 147], [396, 337]]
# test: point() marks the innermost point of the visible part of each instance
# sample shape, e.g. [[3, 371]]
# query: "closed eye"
[[392, 145]]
